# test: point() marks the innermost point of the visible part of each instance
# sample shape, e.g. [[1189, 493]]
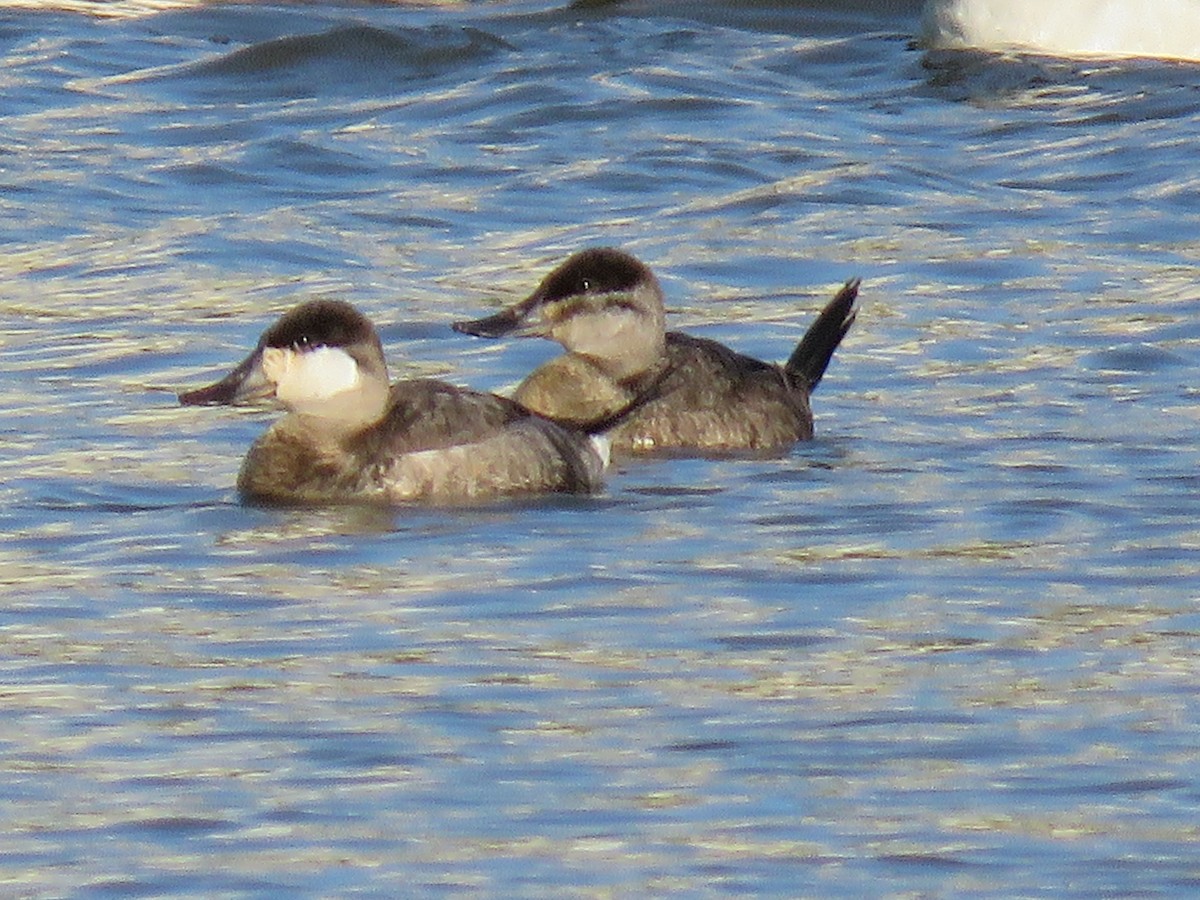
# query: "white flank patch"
[[310, 376], [1165, 28], [602, 444]]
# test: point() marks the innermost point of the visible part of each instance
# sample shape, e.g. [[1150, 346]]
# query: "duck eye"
[[584, 286]]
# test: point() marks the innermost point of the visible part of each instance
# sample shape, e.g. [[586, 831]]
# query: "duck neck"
[[348, 411], [637, 354]]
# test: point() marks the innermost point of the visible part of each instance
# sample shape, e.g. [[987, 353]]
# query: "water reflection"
[[948, 645]]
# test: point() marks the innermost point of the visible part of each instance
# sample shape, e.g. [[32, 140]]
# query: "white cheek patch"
[[313, 375]]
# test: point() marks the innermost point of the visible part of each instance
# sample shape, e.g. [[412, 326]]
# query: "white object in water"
[[1164, 28]]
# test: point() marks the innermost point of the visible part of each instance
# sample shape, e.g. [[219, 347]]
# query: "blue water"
[[947, 649]]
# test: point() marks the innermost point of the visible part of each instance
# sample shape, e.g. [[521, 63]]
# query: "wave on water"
[[100, 8], [1155, 28], [356, 56], [361, 46]]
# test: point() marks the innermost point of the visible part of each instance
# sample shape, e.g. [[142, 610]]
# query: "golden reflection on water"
[[874, 665], [959, 627], [136, 8]]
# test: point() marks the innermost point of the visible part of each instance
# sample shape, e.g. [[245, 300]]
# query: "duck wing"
[[442, 442], [426, 414]]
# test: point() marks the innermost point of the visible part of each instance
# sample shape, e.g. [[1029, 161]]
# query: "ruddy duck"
[[606, 308], [349, 435]]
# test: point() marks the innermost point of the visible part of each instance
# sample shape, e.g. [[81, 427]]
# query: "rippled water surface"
[[949, 648]]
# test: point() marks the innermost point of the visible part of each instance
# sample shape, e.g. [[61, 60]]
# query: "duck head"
[[602, 303], [322, 359]]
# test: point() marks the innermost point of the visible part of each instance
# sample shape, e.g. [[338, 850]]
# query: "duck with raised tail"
[[606, 309], [349, 435], [1162, 28]]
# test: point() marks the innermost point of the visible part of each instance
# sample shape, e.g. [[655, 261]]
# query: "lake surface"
[[949, 648]]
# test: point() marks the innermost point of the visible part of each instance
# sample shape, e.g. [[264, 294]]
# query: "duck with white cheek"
[[606, 308], [350, 436]]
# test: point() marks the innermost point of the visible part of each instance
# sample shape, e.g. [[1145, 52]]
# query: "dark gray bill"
[[244, 384], [499, 325]]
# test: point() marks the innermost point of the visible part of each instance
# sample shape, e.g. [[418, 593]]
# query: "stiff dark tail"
[[808, 361]]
